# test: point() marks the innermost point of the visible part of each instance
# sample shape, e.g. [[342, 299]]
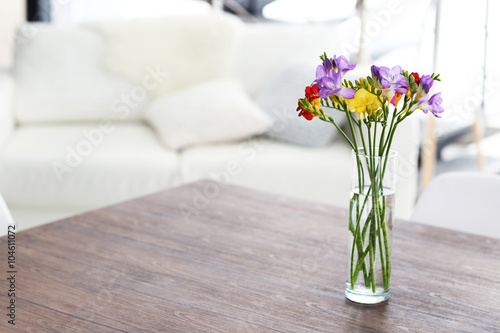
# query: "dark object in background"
[[38, 10]]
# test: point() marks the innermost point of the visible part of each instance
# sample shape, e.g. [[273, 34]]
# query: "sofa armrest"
[[6, 105]]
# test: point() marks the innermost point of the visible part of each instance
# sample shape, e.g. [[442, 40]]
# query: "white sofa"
[[76, 134]]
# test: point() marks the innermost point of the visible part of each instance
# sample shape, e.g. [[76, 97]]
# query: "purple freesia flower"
[[376, 74], [424, 85], [324, 70], [332, 85], [343, 66], [432, 104], [329, 78], [392, 80]]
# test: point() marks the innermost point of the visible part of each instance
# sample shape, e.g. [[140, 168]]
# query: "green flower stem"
[[363, 237], [350, 120], [367, 153], [373, 212], [383, 226], [382, 136], [361, 180], [389, 137], [365, 229], [387, 253], [382, 234], [368, 126], [358, 239], [372, 250], [378, 234], [362, 136], [382, 262], [330, 120], [371, 276], [353, 228], [375, 225], [359, 264], [389, 144], [358, 242]]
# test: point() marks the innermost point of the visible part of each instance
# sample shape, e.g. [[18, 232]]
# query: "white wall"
[[12, 13], [461, 62]]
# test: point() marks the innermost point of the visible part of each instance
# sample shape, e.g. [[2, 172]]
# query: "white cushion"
[[60, 77], [314, 174], [279, 98], [264, 49], [307, 173], [185, 49], [213, 111], [89, 166]]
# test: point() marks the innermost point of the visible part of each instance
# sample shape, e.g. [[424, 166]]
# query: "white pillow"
[[59, 77], [263, 49], [279, 99], [213, 111], [185, 50]]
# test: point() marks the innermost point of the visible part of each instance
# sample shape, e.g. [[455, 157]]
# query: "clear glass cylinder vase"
[[371, 216]]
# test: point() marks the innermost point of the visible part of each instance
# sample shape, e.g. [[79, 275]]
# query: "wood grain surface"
[[208, 257]]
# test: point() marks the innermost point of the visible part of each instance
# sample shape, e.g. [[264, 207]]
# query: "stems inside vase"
[[370, 222]]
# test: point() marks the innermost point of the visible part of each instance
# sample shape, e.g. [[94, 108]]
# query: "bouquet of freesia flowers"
[[369, 97], [374, 106]]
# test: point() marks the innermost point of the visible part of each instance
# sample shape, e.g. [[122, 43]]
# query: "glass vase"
[[371, 216]]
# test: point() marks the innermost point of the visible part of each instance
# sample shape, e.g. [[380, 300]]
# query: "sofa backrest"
[[110, 70], [60, 76], [103, 70], [266, 49], [188, 49]]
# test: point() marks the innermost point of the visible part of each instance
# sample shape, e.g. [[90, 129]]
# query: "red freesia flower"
[[312, 98], [312, 92], [416, 76], [304, 113]]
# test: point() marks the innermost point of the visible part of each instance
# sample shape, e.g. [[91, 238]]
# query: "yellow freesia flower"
[[334, 98], [364, 102]]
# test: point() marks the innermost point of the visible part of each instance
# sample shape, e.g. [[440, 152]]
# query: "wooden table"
[[217, 258]]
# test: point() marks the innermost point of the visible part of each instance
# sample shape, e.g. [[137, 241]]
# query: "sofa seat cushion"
[[86, 165], [308, 173]]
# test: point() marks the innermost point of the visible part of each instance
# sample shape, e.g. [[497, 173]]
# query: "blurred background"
[[458, 39]]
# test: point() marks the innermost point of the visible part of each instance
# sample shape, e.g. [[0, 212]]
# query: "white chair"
[[6, 219], [463, 201]]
